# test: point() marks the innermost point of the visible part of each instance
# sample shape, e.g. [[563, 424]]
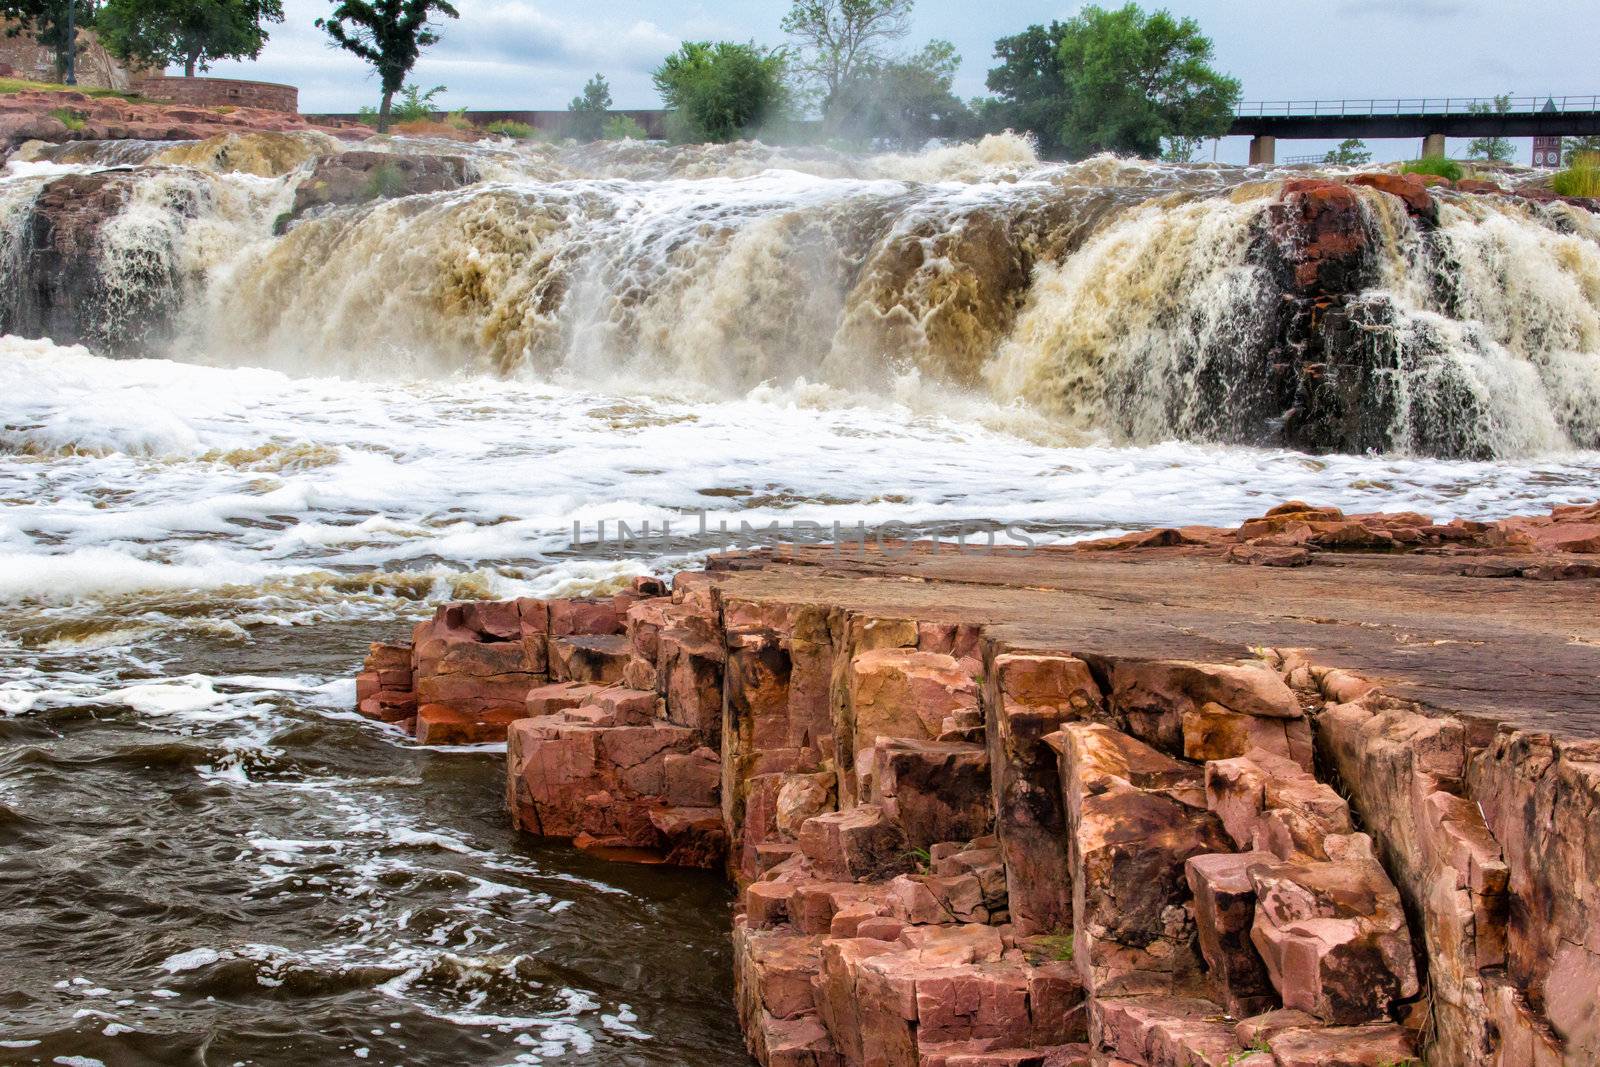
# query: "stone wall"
[[221, 92]]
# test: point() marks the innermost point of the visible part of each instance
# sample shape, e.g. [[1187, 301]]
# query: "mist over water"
[[397, 404]]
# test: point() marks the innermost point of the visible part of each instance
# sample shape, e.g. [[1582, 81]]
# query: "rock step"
[[595, 658], [439, 724]]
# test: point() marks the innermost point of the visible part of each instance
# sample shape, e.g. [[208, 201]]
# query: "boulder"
[[359, 177], [935, 790], [1333, 934]]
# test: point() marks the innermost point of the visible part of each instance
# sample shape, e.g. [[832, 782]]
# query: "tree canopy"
[[902, 102], [1491, 149], [191, 33], [1112, 80], [722, 91], [1351, 152], [389, 34], [838, 40], [589, 110]]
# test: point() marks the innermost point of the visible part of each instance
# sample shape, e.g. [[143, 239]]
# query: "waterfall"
[[1118, 300]]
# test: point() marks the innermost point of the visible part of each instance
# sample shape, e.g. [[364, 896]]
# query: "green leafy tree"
[[1491, 149], [839, 40], [902, 102], [723, 91], [190, 33], [1030, 86], [389, 34], [1350, 153], [1573, 149], [54, 24], [588, 111], [1127, 81]]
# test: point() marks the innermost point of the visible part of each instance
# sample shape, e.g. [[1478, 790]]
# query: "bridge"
[[1430, 118]]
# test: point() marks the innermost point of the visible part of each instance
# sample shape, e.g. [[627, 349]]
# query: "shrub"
[[1577, 181], [517, 131], [623, 128], [1439, 168]]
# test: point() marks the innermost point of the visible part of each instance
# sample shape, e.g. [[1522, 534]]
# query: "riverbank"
[[1315, 790]]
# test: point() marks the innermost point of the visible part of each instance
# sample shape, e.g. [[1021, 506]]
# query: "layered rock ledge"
[[1318, 790]]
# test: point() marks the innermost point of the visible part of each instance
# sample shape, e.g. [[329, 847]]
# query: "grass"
[[22, 85], [1577, 181], [921, 856], [68, 118], [1058, 947], [1239, 1057], [1439, 168]]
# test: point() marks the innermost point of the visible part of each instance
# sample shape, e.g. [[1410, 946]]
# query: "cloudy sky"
[[513, 54]]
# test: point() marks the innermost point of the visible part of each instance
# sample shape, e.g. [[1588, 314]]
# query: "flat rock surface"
[[1503, 649]]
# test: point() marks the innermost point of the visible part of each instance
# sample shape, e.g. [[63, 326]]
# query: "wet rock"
[[66, 285], [359, 177], [1408, 188]]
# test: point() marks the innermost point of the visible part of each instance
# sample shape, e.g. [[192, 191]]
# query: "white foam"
[[191, 960]]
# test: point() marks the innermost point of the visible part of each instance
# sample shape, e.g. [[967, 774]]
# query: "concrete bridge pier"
[[1263, 150], [1433, 146]]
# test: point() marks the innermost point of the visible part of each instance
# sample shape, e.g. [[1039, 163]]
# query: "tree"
[[192, 33], [1575, 149], [1031, 87], [719, 92], [589, 110], [839, 39], [389, 34], [902, 102], [54, 24], [1117, 81], [1350, 153], [1491, 149]]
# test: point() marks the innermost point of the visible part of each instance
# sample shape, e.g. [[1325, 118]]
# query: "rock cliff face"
[[1184, 797]]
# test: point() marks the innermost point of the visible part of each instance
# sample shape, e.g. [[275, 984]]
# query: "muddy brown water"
[[267, 882]]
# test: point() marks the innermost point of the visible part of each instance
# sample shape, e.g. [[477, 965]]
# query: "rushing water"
[[209, 859]]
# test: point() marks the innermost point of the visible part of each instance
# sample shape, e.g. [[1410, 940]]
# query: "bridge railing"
[[1434, 105]]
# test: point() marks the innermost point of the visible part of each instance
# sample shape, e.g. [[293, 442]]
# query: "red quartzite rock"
[[1333, 934], [1029, 697]]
